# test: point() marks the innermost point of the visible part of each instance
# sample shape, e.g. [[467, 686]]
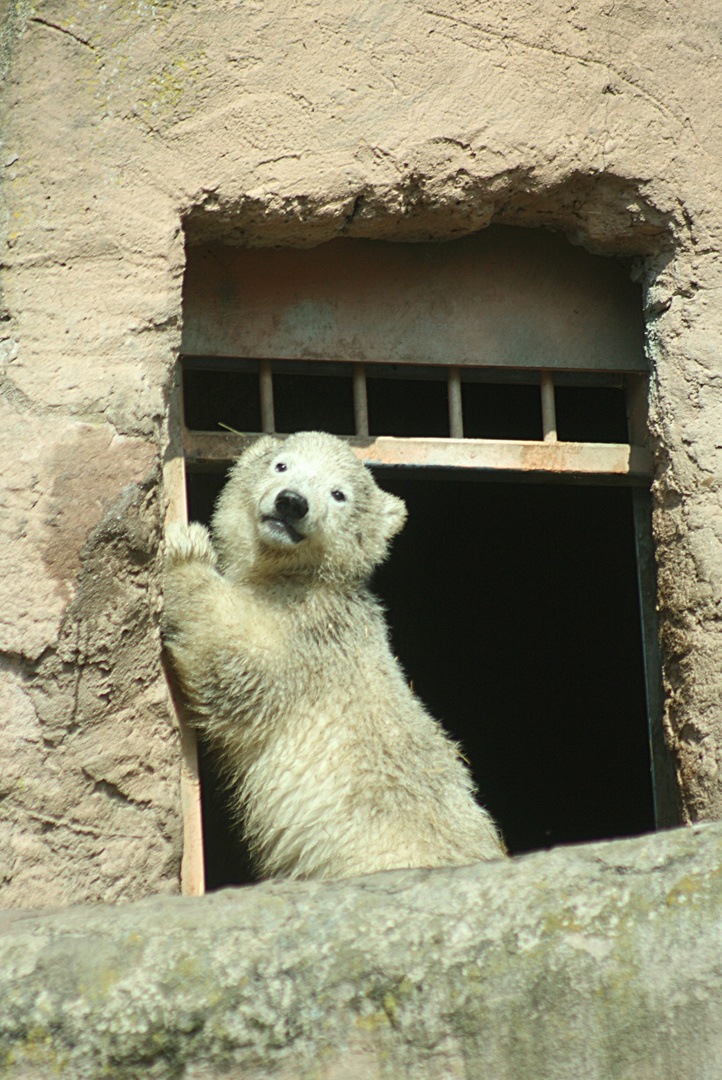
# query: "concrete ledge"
[[602, 961]]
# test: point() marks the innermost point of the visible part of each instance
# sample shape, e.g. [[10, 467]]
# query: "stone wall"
[[129, 126], [598, 962]]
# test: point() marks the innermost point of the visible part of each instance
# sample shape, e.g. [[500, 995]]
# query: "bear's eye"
[[338, 495], [280, 466]]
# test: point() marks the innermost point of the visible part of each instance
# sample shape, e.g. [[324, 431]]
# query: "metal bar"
[[192, 870], [380, 370], [548, 407], [615, 460], [664, 783], [265, 387], [360, 400], [456, 415]]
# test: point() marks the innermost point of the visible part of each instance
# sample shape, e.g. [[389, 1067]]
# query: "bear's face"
[[304, 499], [303, 504]]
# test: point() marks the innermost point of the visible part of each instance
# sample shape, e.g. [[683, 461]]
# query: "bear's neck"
[[308, 589]]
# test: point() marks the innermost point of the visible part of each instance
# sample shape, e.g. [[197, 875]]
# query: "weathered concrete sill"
[[603, 961]]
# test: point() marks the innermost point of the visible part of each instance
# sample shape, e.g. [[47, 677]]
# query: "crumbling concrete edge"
[[598, 961]]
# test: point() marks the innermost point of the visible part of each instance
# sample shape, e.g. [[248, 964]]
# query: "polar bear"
[[283, 655]]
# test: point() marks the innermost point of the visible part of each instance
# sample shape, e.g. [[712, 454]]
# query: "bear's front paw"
[[185, 543]]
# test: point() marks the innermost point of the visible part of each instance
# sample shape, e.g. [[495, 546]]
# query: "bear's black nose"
[[290, 506]]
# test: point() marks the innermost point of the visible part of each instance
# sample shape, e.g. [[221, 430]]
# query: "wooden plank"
[[192, 863], [632, 463], [504, 297], [192, 876]]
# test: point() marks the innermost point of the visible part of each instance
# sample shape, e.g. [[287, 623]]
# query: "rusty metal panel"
[[505, 297], [555, 459], [510, 455]]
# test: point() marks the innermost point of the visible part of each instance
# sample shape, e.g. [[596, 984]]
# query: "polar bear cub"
[[283, 655]]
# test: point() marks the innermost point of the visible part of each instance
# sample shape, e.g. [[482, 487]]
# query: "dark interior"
[[518, 621], [514, 611]]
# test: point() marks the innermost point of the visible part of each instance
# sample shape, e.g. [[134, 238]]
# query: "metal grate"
[[349, 398], [561, 424]]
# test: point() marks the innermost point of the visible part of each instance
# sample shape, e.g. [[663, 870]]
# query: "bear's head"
[[303, 505]]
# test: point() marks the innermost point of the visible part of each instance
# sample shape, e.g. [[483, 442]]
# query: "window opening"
[[549, 694]]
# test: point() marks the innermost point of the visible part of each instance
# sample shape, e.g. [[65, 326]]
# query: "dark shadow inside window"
[[501, 411], [212, 398], [407, 407], [314, 403], [591, 414]]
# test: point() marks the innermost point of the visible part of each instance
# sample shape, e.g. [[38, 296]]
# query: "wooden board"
[[192, 875]]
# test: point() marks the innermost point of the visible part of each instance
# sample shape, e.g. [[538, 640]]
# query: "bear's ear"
[[258, 448], [391, 514]]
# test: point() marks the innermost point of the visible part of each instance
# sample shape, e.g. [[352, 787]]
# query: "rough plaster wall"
[[89, 766], [585, 963], [273, 123]]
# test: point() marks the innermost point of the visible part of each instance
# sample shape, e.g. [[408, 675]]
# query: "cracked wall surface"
[[131, 126]]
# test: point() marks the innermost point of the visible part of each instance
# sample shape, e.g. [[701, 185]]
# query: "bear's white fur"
[[284, 658]]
